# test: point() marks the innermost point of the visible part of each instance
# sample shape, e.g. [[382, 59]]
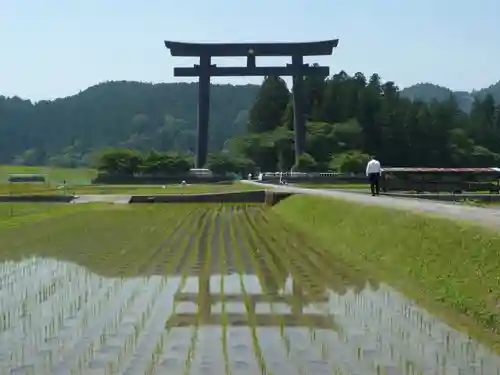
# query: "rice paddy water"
[[211, 289]]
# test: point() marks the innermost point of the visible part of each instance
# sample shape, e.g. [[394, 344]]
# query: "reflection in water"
[[230, 298]]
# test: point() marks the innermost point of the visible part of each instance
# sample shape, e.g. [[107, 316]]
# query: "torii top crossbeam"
[[321, 48]]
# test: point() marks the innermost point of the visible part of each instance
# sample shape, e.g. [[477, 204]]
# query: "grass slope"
[[43, 189], [451, 267], [54, 175], [78, 183]]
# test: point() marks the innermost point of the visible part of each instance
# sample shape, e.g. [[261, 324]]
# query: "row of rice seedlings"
[[188, 252], [184, 250], [43, 341], [22, 317], [59, 229], [9, 272], [302, 272], [108, 296], [179, 218], [22, 283], [222, 270], [180, 241], [261, 254], [204, 251], [133, 337], [147, 309], [82, 239], [13, 298], [318, 259], [127, 227], [91, 335], [403, 326], [21, 236], [396, 337], [297, 262], [236, 233], [151, 343], [69, 337], [146, 240], [322, 258], [52, 325], [137, 258], [312, 261]]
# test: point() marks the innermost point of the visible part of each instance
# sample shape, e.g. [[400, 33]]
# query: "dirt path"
[[485, 216]]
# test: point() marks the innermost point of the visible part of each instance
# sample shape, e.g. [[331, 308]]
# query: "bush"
[[305, 163], [129, 162], [350, 162]]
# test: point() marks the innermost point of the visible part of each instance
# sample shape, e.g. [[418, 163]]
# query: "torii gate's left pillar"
[[203, 111]]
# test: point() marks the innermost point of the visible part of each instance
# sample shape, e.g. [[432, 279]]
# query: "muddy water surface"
[[230, 305]]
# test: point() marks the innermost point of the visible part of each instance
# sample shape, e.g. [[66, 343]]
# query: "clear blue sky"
[[55, 48]]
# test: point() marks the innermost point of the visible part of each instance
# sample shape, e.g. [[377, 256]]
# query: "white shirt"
[[373, 166]]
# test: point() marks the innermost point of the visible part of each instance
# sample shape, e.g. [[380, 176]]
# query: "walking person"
[[373, 172]]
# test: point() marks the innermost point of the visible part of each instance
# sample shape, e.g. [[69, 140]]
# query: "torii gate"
[[205, 299], [205, 69]]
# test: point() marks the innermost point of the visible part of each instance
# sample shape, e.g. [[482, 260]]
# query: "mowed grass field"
[[74, 176], [78, 183]]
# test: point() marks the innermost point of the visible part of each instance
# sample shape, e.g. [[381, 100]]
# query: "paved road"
[[485, 216], [103, 198]]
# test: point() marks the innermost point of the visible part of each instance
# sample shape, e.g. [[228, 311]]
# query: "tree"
[[260, 148], [283, 143], [223, 163], [350, 162], [305, 163], [120, 161], [270, 105]]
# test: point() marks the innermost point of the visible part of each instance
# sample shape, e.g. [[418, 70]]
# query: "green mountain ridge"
[[428, 92], [117, 114], [144, 116]]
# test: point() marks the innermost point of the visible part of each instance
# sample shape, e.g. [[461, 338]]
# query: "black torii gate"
[[205, 69]]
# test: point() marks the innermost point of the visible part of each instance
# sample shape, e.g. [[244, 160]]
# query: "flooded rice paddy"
[[181, 289]]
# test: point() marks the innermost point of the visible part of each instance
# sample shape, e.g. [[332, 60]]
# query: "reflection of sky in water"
[[57, 316]]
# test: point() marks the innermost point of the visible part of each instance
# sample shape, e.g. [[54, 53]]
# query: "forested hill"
[[123, 114], [428, 92], [145, 116]]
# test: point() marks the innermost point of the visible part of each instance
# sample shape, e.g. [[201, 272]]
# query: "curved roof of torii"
[[317, 48]]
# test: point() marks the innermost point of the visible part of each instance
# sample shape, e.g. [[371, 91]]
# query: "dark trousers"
[[374, 183]]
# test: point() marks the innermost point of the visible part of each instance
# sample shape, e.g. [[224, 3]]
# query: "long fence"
[[314, 177]]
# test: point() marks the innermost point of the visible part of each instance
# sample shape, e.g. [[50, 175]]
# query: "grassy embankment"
[[78, 183], [451, 267], [54, 175]]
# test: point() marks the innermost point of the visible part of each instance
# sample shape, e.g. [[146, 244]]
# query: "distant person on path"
[[373, 172]]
